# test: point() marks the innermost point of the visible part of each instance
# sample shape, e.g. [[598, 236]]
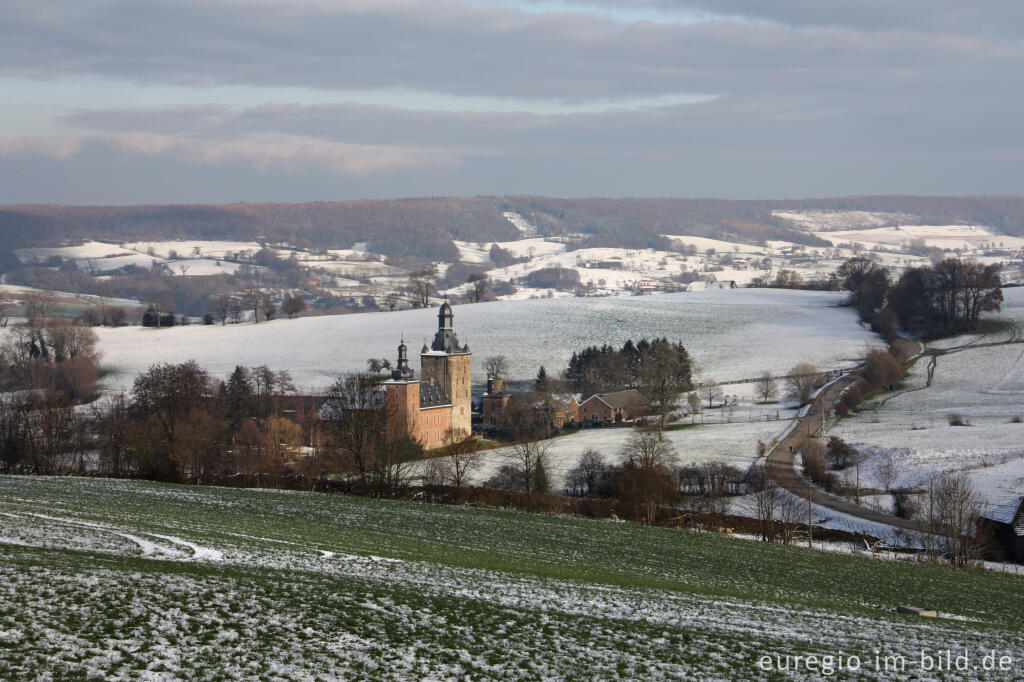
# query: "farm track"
[[780, 461]]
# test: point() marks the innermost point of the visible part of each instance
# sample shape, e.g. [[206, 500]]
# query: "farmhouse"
[[1005, 523], [427, 409], [613, 407]]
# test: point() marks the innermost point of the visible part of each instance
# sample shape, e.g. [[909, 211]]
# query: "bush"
[[815, 466], [851, 398], [1016, 419], [840, 453], [956, 419], [881, 368]]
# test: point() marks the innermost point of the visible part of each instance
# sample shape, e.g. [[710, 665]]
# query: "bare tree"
[[887, 472], [693, 402], [764, 502], [37, 307], [269, 308], [354, 408], [108, 419], [421, 284], [530, 456], [709, 390], [647, 451], [766, 388], [222, 308], [803, 378], [790, 512], [236, 310], [252, 299], [391, 472], [496, 366], [463, 459], [478, 289], [69, 341], [952, 517], [587, 474], [293, 305]]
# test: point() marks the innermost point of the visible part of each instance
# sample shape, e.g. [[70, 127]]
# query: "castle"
[[427, 409]]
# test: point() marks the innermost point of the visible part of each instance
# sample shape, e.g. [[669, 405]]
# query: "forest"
[[422, 229]]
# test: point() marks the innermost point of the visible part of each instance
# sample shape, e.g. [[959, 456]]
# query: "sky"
[[216, 101]]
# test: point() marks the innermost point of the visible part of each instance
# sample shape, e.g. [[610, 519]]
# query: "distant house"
[[644, 285], [613, 407], [559, 409], [1005, 525], [565, 410]]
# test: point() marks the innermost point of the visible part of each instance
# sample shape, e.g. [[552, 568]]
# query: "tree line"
[[945, 298]]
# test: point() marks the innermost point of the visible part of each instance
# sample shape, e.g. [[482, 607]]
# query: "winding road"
[[780, 461]]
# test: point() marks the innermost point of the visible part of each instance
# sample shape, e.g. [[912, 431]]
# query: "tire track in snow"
[[147, 547]]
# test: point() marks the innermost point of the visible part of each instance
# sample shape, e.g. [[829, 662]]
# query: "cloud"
[[60, 148], [1002, 17], [810, 97], [477, 50], [288, 153]]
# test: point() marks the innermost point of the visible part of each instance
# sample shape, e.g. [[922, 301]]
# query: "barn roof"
[[620, 399], [1008, 513]]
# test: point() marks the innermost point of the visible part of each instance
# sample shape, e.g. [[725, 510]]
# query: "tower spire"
[[402, 371]]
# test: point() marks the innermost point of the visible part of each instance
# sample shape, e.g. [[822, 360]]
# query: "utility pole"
[[810, 526], [858, 478]]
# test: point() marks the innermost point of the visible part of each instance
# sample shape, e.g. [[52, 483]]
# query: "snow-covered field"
[[195, 248], [730, 334], [984, 384], [953, 237], [190, 257], [732, 443], [132, 580], [840, 220]]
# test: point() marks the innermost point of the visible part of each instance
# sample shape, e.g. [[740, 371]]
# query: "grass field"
[[105, 579]]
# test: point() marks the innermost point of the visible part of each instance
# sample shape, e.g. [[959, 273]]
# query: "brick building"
[[427, 409], [613, 407]]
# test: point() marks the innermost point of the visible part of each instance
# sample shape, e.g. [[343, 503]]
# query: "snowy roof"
[[500, 394], [1007, 513], [619, 399]]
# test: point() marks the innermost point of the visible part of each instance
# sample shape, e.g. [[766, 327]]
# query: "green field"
[[104, 579]]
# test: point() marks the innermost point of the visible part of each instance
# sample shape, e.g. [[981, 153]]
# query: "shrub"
[[1016, 419], [851, 397], [956, 419], [881, 368], [840, 453]]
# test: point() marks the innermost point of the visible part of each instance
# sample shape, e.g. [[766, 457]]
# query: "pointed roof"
[[445, 339], [402, 371]]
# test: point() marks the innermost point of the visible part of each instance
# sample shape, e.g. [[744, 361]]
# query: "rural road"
[[779, 463]]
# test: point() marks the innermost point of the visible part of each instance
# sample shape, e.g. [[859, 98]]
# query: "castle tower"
[[447, 364], [402, 399]]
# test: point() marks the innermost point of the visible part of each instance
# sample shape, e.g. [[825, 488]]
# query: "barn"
[[1005, 525]]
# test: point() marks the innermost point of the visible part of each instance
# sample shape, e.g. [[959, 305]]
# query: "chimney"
[[494, 385]]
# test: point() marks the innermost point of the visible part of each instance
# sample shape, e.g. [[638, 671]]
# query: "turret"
[[445, 339], [402, 371]]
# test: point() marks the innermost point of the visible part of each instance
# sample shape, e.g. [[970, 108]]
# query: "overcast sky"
[[189, 101]]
